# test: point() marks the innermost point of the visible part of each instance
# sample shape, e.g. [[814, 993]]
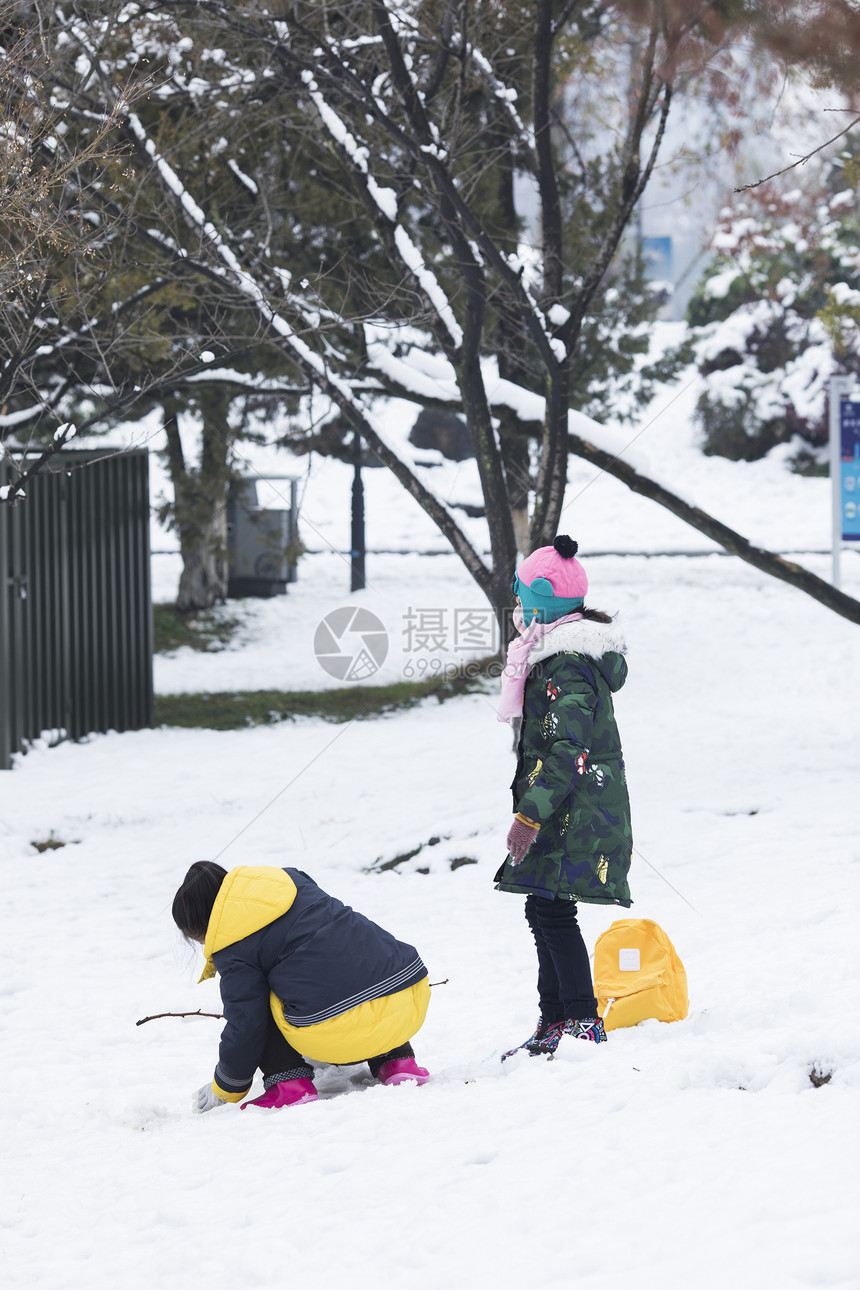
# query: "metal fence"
[[75, 601]]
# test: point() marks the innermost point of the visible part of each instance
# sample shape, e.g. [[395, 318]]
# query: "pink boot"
[[401, 1070], [290, 1092]]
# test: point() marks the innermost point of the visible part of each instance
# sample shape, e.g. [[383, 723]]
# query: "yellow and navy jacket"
[[340, 988]]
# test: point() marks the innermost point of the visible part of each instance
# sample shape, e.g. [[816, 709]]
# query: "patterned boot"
[[589, 1028], [542, 1043]]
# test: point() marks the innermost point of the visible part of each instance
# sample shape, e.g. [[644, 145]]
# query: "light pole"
[[358, 551]]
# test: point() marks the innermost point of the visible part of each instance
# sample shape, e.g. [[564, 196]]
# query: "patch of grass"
[[459, 861], [50, 843], [383, 866], [207, 631], [236, 710]]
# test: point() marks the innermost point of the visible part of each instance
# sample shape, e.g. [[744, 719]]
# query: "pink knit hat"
[[561, 574]]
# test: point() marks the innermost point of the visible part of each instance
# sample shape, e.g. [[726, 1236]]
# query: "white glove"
[[205, 1099]]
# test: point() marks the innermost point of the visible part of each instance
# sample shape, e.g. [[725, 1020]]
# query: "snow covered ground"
[[694, 1155]]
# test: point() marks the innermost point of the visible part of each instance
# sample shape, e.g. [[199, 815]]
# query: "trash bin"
[[260, 541]]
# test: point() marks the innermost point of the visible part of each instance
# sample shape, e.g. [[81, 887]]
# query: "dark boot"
[[543, 1042], [588, 1028]]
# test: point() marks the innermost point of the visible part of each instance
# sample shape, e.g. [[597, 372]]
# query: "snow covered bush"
[[775, 316]]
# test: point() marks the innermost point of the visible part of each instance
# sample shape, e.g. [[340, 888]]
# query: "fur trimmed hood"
[[581, 637]]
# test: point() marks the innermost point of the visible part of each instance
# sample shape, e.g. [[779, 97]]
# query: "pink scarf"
[[516, 670]]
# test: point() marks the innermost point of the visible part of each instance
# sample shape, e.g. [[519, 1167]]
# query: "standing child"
[[570, 839], [303, 976]]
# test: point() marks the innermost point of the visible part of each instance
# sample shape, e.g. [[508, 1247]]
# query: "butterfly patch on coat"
[[549, 725]]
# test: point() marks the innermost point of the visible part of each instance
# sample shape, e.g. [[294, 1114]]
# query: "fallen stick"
[[218, 1015], [198, 1013]]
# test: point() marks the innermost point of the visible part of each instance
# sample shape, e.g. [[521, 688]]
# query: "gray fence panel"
[[75, 601]]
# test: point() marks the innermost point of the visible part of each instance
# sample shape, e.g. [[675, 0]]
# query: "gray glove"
[[205, 1099]]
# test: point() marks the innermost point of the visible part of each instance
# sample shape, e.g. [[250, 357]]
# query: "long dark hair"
[[594, 615], [192, 904]]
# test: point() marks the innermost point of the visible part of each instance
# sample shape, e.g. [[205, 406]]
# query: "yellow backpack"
[[637, 975]]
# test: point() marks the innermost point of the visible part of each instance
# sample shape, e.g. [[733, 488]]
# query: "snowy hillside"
[[682, 1157]]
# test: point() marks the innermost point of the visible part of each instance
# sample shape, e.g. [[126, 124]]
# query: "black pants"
[[281, 1061], [565, 987]]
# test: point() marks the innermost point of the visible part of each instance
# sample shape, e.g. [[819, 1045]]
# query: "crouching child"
[[303, 978]]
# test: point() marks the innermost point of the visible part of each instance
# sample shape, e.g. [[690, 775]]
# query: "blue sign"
[[657, 254], [849, 458]]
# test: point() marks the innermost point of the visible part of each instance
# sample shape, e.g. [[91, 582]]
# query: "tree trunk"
[[552, 475], [515, 446], [203, 582], [200, 502], [520, 516], [494, 488]]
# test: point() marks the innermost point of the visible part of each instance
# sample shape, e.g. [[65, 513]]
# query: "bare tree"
[[100, 318], [50, 253], [389, 90], [424, 110]]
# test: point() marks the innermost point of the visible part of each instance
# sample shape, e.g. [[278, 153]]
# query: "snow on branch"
[[309, 361], [423, 142], [430, 378], [385, 200], [507, 97], [249, 183], [242, 380], [8, 420]]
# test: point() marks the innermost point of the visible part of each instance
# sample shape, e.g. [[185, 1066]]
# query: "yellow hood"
[[250, 897]]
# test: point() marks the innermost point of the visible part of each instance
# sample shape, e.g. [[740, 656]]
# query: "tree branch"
[[800, 162], [774, 565], [550, 200], [306, 359], [600, 264], [219, 1016], [565, 16]]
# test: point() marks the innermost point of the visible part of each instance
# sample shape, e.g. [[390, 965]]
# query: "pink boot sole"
[[290, 1092], [403, 1070]]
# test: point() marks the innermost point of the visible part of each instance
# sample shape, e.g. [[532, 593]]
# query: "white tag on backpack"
[[628, 960]]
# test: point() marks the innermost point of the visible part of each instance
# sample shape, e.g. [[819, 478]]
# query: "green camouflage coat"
[[570, 773]]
